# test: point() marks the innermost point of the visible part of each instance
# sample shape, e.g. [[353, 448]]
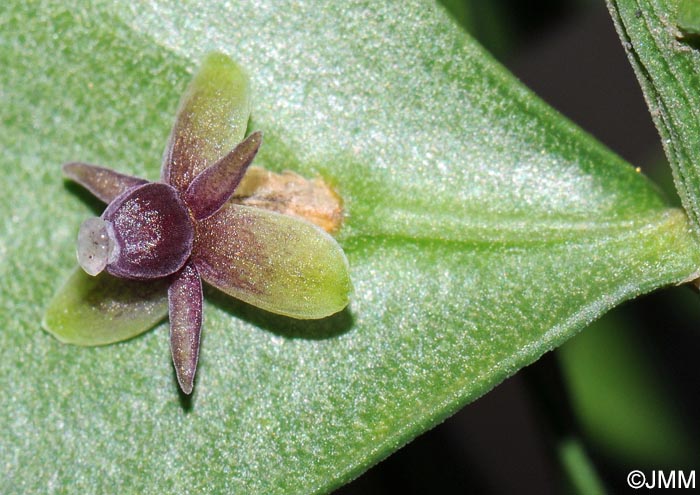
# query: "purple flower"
[[184, 229]]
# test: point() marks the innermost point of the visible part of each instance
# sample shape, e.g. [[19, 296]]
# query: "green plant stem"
[[578, 467], [549, 393]]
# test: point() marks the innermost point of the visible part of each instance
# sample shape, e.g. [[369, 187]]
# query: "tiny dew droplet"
[[95, 245]]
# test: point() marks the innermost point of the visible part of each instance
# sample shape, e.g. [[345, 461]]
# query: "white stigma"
[[95, 245]]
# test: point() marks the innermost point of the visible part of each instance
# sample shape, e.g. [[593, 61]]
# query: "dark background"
[[569, 54]]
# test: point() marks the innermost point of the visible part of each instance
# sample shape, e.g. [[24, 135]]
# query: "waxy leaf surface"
[[482, 230]]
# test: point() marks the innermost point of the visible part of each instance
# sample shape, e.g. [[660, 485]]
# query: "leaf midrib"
[[523, 233]]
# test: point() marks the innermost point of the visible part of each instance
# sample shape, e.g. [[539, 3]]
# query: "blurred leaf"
[[582, 477], [482, 230], [620, 398], [668, 69], [689, 16], [487, 22]]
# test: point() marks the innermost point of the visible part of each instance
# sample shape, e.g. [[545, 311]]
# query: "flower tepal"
[[154, 244]]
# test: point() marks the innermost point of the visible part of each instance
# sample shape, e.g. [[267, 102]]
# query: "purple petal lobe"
[[185, 306], [152, 232], [211, 120], [104, 183], [214, 186]]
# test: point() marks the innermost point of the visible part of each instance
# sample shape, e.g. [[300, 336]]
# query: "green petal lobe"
[[104, 309], [273, 261], [210, 122]]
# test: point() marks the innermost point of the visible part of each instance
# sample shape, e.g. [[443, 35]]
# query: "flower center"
[[145, 233]]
